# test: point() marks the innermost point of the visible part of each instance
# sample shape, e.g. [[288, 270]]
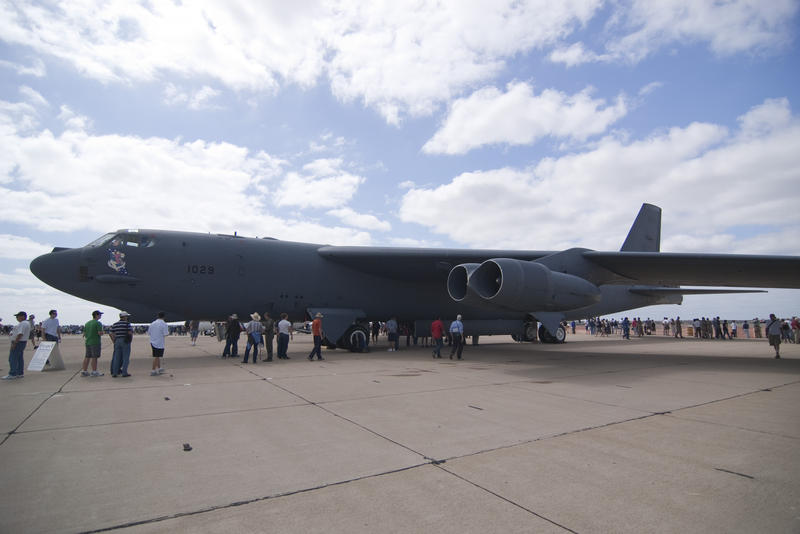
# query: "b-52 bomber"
[[527, 294]]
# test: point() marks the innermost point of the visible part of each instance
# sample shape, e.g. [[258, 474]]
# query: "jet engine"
[[521, 285], [457, 280]]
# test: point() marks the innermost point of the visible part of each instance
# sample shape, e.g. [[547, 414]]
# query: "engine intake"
[[458, 279]]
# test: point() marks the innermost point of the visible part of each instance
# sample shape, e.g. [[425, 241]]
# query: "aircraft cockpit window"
[[100, 241], [132, 240]]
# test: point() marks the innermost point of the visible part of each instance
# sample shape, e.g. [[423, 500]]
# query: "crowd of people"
[[121, 335], [262, 330], [775, 329]]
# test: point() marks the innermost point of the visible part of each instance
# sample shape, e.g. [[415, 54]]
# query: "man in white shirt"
[[158, 331], [284, 332], [52, 330], [19, 338]]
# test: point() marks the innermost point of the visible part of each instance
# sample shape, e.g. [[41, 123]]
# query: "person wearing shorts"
[[92, 331], [158, 332], [194, 331]]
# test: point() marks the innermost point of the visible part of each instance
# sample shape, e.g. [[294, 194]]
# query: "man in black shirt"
[[122, 336]]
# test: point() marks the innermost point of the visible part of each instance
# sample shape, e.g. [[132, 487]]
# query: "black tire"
[[529, 333], [547, 337], [355, 339], [561, 335]]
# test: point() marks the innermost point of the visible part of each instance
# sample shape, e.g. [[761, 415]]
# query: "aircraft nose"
[[53, 268]]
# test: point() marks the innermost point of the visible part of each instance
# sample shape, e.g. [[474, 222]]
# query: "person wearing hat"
[[233, 329], [92, 331], [316, 331], [121, 336], [19, 338], [32, 322], [254, 330]]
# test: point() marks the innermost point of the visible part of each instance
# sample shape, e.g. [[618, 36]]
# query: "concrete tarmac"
[[596, 435]]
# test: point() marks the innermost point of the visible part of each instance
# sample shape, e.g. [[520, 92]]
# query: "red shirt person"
[[437, 332], [316, 331]]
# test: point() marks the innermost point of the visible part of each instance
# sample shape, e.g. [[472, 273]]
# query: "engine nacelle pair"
[[519, 285]]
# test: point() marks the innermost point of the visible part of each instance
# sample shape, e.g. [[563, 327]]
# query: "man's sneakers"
[[156, 372], [12, 377], [97, 373], [84, 373]]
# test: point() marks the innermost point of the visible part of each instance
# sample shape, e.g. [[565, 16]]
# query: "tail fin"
[[645, 234]]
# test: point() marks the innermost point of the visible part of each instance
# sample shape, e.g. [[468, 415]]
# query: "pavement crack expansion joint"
[[734, 473]]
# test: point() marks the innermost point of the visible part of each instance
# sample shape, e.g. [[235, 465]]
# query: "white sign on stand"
[[48, 350]]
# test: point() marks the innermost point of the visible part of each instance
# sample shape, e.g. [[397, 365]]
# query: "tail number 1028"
[[200, 269]]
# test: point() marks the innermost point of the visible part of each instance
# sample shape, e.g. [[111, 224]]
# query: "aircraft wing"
[[649, 268], [666, 268], [416, 264]]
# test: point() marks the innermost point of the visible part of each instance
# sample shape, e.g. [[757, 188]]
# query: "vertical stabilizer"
[[645, 234]]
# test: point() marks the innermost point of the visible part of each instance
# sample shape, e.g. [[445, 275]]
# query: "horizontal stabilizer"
[[660, 290], [673, 269]]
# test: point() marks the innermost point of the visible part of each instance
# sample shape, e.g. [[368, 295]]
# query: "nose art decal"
[[116, 258]]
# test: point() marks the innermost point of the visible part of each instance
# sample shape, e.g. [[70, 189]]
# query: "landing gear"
[[528, 332], [547, 337], [355, 338]]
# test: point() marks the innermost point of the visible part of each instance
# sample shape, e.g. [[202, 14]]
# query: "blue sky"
[[492, 124]]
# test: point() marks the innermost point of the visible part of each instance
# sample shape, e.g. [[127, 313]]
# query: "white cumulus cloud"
[[517, 116], [394, 58], [642, 27], [321, 184], [707, 179], [21, 248], [199, 99], [360, 220], [135, 182]]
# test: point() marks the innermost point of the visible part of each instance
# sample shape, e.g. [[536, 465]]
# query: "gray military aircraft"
[[206, 276]]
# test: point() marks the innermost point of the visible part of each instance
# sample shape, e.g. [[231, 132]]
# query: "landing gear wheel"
[[547, 337], [561, 334], [355, 339], [530, 332]]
